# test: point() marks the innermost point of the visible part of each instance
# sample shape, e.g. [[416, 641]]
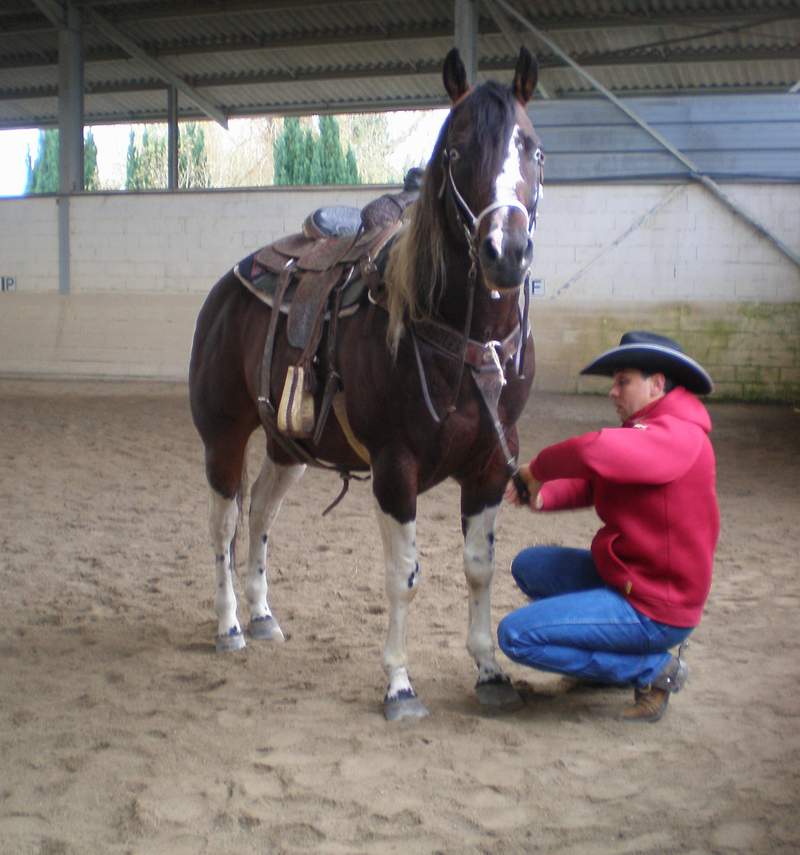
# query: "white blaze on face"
[[505, 188]]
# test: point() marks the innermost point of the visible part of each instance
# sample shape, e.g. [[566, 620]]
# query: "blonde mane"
[[416, 272]]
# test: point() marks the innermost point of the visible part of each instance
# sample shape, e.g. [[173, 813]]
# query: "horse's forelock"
[[493, 115]]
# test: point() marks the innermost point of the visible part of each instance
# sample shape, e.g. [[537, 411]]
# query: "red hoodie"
[[652, 482]]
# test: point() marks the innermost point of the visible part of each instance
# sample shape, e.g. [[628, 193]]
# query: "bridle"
[[489, 373], [469, 222]]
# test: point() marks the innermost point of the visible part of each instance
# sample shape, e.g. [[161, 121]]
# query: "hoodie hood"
[[680, 404]]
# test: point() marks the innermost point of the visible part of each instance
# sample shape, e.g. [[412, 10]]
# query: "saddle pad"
[[262, 282]]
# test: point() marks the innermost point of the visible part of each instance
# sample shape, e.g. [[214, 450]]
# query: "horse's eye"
[[528, 148]]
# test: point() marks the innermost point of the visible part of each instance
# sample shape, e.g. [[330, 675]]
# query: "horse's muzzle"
[[504, 267]]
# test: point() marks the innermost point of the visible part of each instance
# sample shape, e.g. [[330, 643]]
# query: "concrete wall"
[[610, 256]]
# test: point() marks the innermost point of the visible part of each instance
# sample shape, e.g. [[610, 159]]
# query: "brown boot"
[[649, 705], [650, 702]]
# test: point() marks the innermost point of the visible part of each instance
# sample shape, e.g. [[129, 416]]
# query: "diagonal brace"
[[129, 46], [694, 170]]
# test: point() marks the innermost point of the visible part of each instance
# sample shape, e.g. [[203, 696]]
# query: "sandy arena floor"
[[122, 732]]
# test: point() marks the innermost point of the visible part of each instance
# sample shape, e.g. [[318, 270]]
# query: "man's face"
[[632, 391]]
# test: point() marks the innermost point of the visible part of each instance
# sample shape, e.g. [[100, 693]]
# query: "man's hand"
[[512, 494]]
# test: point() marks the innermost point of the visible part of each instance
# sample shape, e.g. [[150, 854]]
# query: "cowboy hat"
[[651, 353]]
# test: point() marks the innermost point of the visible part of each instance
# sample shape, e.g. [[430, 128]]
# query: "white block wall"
[[602, 250]]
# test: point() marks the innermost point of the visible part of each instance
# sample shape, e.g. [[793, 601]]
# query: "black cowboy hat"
[[650, 352]]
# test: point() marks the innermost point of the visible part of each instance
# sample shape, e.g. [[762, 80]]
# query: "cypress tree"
[[133, 167], [289, 151], [352, 168], [333, 164], [312, 160], [192, 161], [91, 179], [43, 175]]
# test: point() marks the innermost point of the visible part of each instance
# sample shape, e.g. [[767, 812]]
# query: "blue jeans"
[[578, 625]]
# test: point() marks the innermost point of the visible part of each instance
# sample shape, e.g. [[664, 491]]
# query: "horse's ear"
[[525, 76], [454, 75]]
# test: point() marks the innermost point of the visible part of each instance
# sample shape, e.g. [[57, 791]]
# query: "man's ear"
[[658, 382]]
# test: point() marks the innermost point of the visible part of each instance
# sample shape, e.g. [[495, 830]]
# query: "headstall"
[[470, 223]]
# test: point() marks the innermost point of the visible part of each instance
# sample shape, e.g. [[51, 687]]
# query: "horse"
[[431, 379]]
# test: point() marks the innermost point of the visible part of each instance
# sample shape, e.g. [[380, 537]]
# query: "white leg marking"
[[479, 570], [402, 580], [222, 525], [266, 498]]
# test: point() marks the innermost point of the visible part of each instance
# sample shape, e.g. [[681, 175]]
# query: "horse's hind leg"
[[224, 461], [266, 497], [493, 687], [222, 517]]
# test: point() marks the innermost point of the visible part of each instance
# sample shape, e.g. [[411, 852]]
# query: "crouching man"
[[611, 614]]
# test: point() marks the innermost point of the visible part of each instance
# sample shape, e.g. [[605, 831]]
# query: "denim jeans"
[[579, 626]]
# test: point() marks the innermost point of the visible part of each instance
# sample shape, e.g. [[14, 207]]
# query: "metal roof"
[[269, 56]]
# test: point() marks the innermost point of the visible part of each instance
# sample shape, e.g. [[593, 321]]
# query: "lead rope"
[[490, 381]]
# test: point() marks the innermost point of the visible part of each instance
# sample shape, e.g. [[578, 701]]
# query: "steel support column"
[[70, 104], [172, 138], [70, 132], [465, 13]]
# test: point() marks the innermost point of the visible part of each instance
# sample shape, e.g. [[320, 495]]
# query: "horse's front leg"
[[402, 580], [266, 497], [493, 687]]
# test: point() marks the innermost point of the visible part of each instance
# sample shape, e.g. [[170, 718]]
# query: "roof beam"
[[397, 69], [18, 22], [494, 24], [129, 46], [631, 56], [643, 17]]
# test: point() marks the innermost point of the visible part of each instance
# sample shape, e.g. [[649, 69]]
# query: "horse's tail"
[[242, 501]]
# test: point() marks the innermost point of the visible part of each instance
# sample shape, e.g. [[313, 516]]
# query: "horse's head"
[[488, 170]]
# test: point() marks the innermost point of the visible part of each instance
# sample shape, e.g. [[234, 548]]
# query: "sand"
[[121, 731]]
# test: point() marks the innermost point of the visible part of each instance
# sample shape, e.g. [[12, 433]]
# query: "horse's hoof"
[[265, 629], [234, 640], [404, 705], [498, 694]]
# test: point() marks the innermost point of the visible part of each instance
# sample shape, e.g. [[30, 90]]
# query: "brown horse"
[[432, 380]]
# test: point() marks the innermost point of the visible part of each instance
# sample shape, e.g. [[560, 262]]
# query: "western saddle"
[[313, 278]]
